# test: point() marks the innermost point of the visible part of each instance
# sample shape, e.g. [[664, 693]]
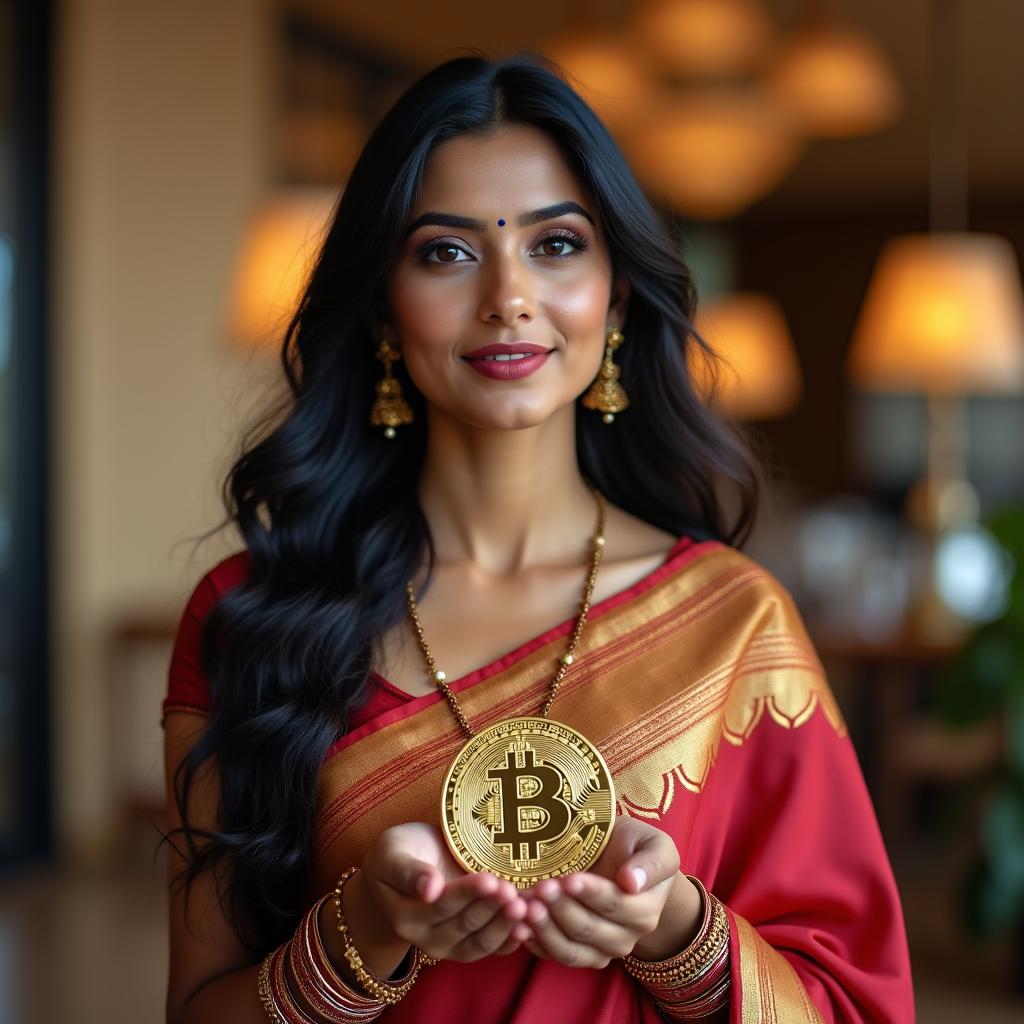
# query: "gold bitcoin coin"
[[527, 799]]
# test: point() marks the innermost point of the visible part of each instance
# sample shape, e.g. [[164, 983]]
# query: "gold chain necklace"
[[526, 798]]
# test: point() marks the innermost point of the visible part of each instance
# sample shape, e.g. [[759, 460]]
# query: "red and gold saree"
[[700, 687]]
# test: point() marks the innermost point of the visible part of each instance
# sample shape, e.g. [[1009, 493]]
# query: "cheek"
[[426, 312], [577, 304], [420, 299]]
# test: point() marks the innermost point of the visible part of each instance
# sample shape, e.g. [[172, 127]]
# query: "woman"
[[454, 505]]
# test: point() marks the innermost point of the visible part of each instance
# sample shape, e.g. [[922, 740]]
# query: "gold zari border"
[[771, 991]]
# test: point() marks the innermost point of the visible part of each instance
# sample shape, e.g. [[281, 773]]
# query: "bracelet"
[[388, 991], [281, 992], [692, 963], [320, 963], [694, 983], [697, 1009], [319, 984], [320, 990], [264, 990], [328, 996]]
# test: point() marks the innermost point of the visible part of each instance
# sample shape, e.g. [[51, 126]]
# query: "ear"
[[618, 302]]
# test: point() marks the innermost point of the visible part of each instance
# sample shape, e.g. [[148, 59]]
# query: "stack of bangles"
[[320, 987], [693, 984]]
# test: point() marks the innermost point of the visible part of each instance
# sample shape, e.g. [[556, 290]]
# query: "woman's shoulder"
[[229, 572], [215, 582], [187, 686]]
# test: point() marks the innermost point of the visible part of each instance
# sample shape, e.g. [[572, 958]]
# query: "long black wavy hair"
[[328, 508]]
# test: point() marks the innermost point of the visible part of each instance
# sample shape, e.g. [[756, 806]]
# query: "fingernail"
[[516, 910], [641, 878]]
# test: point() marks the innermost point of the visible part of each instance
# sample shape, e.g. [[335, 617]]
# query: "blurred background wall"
[[160, 153]]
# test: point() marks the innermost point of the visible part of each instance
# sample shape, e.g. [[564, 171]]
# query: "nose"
[[507, 292]]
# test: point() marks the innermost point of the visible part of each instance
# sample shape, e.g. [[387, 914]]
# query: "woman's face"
[[488, 261]]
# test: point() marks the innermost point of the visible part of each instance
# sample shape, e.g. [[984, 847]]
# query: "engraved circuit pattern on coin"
[[527, 799]]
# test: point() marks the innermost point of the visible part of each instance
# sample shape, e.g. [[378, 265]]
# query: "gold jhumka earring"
[[390, 409], [606, 394]]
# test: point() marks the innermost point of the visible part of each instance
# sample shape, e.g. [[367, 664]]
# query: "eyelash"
[[578, 241]]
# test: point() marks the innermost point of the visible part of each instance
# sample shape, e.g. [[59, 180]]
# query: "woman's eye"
[[565, 245], [448, 252]]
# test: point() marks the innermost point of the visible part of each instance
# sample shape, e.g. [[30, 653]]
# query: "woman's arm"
[[212, 977]]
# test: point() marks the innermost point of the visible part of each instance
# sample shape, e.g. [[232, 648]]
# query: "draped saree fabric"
[[700, 687]]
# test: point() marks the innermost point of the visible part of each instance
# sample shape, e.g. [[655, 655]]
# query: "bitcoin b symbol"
[[533, 810]]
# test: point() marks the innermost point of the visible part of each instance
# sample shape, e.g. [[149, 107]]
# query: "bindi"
[[501, 222]]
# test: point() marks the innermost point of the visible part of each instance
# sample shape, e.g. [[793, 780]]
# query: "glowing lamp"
[[713, 153], [759, 377], [837, 82], [944, 315], [703, 38], [276, 256]]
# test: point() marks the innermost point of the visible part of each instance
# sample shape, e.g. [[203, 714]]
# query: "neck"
[[509, 500]]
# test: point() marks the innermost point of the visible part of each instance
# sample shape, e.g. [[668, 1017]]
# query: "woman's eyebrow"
[[452, 220]]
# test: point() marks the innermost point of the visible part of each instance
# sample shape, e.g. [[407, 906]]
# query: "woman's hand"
[[411, 891], [617, 908]]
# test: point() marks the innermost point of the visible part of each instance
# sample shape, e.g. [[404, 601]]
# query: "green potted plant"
[[982, 682]]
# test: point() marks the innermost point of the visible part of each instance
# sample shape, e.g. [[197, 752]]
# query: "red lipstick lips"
[[508, 362], [506, 349]]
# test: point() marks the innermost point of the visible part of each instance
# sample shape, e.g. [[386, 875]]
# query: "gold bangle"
[[388, 991], [334, 998], [696, 959], [263, 987]]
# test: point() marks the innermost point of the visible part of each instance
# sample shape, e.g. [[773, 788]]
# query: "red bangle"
[[696, 982]]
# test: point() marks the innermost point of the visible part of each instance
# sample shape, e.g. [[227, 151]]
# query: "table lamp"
[[944, 316], [759, 376]]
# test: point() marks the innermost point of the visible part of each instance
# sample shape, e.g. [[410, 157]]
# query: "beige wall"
[[162, 115]]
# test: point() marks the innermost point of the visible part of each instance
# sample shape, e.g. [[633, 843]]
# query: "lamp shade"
[[703, 38], [837, 82], [276, 254], [606, 73], [944, 314], [759, 376], [713, 153]]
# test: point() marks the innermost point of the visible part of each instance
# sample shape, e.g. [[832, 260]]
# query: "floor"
[[102, 936]]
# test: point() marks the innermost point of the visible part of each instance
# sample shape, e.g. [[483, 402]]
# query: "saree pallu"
[[702, 691]]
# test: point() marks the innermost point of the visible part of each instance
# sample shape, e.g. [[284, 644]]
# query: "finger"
[[488, 939], [460, 893], [605, 898], [413, 878], [583, 927], [555, 944], [509, 946], [474, 915], [654, 858]]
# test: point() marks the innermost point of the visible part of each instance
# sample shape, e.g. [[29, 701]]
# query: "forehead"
[[507, 170]]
